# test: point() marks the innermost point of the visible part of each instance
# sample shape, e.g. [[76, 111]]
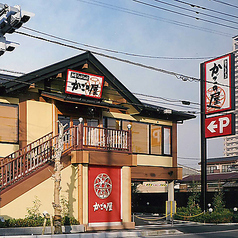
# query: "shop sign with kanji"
[[80, 83], [219, 84]]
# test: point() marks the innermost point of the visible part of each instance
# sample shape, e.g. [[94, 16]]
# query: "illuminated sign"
[[220, 126], [80, 83], [219, 80]]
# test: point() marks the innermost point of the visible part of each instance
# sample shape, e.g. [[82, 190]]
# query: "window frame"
[[149, 142]]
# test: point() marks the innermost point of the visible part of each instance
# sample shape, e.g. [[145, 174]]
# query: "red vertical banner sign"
[[219, 84], [104, 193]]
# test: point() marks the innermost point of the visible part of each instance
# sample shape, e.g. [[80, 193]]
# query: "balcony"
[[37, 154]]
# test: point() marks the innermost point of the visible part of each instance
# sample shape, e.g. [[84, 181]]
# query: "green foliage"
[[65, 206], [219, 215], [218, 203], [34, 218], [34, 222], [34, 211], [192, 208], [66, 221], [222, 216]]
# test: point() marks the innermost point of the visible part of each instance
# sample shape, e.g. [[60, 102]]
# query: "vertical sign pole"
[[203, 141]]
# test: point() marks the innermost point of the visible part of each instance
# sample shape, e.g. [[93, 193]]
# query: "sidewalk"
[[139, 231]]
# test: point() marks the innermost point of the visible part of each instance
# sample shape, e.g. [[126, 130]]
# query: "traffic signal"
[[6, 45], [12, 18]]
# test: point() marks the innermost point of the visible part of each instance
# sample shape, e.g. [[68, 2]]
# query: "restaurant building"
[[111, 139]]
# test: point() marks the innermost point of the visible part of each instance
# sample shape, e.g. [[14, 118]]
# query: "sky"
[[142, 32]]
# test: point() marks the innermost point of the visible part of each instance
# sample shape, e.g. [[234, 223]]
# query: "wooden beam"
[[156, 173]]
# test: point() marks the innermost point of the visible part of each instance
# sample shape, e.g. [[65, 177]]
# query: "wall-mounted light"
[[167, 111]]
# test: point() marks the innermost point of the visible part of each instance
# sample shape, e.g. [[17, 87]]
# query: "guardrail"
[[35, 155]]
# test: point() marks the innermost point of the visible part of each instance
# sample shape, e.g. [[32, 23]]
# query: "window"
[[140, 136], [167, 141], [146, 138], [8, 123], [113, 124], [225, 168], [156, 139], [211, 169]]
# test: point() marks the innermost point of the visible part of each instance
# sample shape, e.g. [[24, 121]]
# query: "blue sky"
[[107, 24]]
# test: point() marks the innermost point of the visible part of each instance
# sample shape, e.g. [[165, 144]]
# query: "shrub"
[[34, 222], [224, 216]]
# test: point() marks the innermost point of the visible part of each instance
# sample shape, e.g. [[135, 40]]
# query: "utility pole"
[[203, 143], [57, 179]]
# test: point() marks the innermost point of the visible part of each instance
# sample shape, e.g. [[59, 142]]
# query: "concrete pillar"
[[171, 191], [170, 204]]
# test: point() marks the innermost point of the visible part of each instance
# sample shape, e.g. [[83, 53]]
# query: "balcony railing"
[[35, 155]]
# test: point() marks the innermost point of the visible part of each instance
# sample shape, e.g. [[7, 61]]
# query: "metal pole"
[[203, 142]]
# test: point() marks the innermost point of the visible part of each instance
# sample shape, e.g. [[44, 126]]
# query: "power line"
[[171, 104], [140, 14], [116, 51], [207, 9], [225, 3], [188, 158], [177, 75], [166, 99], [201, 13], [185, 15]]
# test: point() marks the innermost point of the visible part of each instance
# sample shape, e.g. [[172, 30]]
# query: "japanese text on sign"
[[80, 83], [218, 84], [102, 206]]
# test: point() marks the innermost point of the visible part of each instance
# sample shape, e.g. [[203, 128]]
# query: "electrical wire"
[[188, 158], [205, 8], [197, 12], [153, 101], [166, 99], [185, 15], [116, 51], [225, 3], [177, 75], [140, 14]]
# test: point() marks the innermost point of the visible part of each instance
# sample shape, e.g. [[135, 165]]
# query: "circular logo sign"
[[103, 186], [215, 98]]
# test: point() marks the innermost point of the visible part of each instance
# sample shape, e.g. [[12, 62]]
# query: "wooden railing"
[[35, 155]]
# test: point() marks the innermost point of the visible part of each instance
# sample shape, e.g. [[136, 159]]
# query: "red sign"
[[219, 79], [80, 83], [104, 193], [219, 126]]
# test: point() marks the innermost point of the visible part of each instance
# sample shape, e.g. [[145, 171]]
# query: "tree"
[[57, 179]]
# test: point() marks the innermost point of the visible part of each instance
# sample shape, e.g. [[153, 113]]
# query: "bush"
[[34, 222], [224, 216], [219, 215]]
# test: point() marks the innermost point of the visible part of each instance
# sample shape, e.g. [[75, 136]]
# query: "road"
[[160, 228]]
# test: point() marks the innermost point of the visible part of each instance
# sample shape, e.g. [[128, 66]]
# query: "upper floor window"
[[225, 168], [146, 138], [211, 169], [8, 123]]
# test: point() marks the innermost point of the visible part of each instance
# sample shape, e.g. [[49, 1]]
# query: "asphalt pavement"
[[150, 226]]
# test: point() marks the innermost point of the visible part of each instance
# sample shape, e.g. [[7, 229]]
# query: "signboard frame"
[[223, 89], [86, 84], [230, 129]]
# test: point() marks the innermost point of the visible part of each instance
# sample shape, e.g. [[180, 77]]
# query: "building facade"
[[231, 142], [110, 140]]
